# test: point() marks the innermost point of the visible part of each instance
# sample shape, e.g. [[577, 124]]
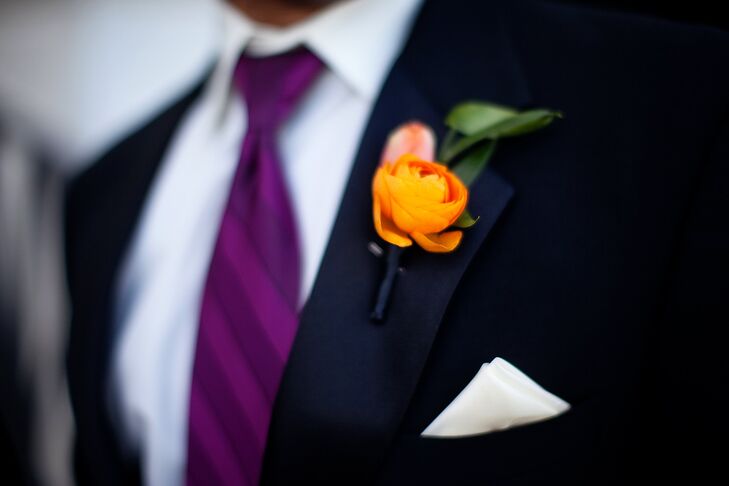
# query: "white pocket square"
[[498, 397]]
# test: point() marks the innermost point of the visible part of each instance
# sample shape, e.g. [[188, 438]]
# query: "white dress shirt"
[[159, 288]]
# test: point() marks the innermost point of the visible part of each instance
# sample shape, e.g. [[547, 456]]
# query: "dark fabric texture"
[[598, 266], [14, 429]]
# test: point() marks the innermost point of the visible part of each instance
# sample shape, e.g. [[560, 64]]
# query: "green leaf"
[[448, 140], [526, 122], [520, 124], [465, 220], [474, 162], [473, 116]]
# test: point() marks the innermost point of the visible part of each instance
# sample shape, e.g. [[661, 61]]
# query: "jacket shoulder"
[[626, 56]]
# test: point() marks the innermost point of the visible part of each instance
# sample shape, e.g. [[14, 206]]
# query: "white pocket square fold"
[[498, 397]]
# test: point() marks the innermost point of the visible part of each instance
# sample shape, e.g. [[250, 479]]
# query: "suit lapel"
[[349, 380]]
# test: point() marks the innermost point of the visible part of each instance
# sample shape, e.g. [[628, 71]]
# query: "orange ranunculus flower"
[[416, 199]]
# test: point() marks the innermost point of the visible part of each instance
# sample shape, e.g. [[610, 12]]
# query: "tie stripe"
[[259, 351], [271, 306], [249, 311], [263, 209]]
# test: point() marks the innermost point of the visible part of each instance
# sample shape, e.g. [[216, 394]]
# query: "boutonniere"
[[421, 200]]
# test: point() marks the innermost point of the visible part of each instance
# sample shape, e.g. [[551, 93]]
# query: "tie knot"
[[272, 85]]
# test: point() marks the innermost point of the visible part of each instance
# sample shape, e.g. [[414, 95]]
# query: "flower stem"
[[383, 294]]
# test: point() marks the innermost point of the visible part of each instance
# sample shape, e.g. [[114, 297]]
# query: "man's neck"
[[279, 13]]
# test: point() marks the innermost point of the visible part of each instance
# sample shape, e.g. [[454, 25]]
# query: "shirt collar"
[[358, 40]]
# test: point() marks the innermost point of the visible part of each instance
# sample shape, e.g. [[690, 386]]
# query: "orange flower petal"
[[438, 243], [386, 229], [379, 188], [403, 218], [407, 214], [417, 203], [433, 189]]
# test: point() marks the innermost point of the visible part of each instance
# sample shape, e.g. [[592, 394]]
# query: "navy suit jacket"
[[599, 266]]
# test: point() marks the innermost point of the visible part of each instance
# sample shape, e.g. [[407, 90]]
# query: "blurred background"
[[75, 77]]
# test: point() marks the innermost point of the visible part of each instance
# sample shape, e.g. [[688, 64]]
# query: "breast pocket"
[[558, 447]]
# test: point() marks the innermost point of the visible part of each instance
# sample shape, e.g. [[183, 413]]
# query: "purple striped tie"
[[249, 310]]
